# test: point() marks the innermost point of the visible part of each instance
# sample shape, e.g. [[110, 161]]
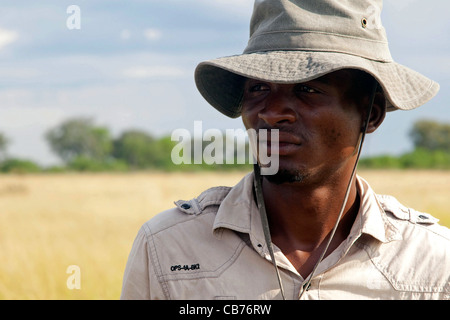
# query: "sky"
[[131, 65]]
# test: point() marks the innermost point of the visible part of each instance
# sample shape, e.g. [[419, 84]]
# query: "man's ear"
[[378, 112]]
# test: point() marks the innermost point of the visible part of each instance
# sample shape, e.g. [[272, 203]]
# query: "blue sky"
[[131, 65]]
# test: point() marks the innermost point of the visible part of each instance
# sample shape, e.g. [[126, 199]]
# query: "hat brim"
[[221, 81]]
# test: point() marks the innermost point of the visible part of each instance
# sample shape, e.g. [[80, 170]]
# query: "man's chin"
[[285, 176]]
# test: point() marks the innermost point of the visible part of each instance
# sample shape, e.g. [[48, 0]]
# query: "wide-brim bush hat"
[[293, 41]]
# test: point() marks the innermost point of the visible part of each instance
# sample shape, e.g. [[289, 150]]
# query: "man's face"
[[318, 126]]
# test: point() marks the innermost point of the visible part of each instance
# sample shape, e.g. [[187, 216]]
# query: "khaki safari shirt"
[[212, 247]]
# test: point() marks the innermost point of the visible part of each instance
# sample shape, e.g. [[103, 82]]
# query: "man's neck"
[[301, 218]]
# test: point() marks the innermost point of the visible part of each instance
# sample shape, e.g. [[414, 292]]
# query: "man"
[[320, 73]]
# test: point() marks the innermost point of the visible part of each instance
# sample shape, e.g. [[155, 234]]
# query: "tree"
[[431, 135], [79, 137], [135, 148], [141, 151]]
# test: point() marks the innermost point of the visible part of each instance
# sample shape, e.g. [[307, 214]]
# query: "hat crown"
[[346, 26]]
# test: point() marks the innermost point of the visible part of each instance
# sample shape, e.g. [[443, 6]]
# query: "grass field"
[[50, 222]]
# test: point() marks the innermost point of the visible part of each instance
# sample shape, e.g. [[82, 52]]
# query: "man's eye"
[[258, 87], [306, 89]]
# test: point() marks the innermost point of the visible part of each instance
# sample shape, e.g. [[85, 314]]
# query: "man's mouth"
[[285, 144]]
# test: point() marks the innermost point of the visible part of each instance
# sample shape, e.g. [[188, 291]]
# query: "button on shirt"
[[212, 247]]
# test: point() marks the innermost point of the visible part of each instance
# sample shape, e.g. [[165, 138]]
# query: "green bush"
[[19, 166], [380, 162], [425, 159], [420, 158]]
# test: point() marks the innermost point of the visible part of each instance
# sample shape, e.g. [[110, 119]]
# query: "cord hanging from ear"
[[265, 223], [363, 126]]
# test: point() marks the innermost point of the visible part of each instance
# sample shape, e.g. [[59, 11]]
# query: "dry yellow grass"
[[49, 222], [426, 191]]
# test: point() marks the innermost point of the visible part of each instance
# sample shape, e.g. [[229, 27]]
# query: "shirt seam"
[[428, 229], [155, 261], [188, 218]]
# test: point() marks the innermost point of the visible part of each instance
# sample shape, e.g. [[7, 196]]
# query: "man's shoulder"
[[418, 258], [413, 223], [198, 209], [421, 241]]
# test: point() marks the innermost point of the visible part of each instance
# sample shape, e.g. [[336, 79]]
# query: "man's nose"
[[278, 109]]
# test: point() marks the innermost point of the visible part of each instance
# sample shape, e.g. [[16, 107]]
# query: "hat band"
[[305, 40]]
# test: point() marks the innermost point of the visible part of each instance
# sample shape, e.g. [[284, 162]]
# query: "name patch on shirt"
[[185, 267]]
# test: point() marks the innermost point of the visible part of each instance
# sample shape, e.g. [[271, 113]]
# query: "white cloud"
[[152, 34], [7, 37]]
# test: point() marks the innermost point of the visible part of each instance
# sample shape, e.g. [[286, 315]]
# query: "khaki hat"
[[293, 41]]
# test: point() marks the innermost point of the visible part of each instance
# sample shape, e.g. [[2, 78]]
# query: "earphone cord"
[[262, 210]]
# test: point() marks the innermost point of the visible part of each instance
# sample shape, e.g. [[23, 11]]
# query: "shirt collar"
[[238, 211], [372, 218]]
